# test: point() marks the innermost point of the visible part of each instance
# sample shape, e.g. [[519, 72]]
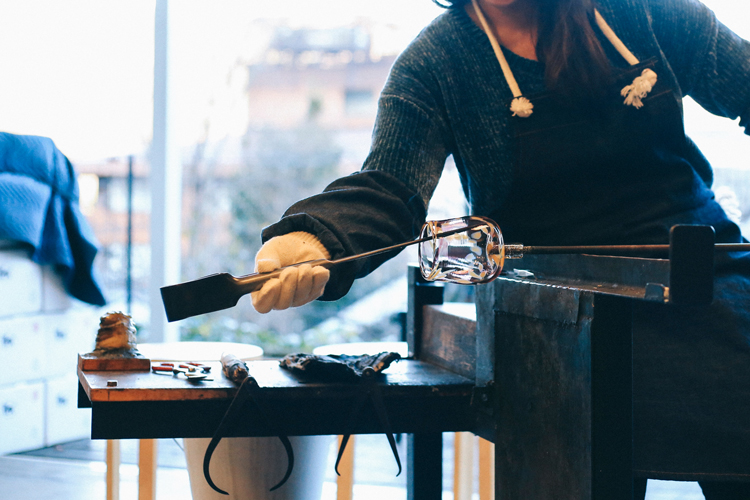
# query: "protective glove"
[[298, 285]]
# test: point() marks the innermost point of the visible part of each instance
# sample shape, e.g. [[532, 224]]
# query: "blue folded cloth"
[[39, 207]]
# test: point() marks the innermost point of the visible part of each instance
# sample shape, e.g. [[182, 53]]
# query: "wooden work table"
[[423, 398], [419, 397]]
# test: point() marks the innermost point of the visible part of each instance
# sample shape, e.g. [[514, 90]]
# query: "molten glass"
[[475, 255]]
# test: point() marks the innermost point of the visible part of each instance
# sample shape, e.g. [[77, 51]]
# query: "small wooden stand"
[[90, 362]]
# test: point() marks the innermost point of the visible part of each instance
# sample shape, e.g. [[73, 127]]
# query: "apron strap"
[[522, 107], [615, 40]]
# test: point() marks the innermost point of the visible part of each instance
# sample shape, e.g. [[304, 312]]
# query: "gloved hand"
[[298, 285]]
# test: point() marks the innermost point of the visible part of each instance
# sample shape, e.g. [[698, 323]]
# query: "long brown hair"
[[574, 60]]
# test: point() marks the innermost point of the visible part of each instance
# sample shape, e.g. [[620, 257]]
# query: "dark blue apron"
[[621, 175]]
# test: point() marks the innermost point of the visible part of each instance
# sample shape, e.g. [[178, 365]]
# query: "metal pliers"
[[371, 391], [191, 370]]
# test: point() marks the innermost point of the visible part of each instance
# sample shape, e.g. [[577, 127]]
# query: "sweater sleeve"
[[410, 138], [712, 63], [354, 214]]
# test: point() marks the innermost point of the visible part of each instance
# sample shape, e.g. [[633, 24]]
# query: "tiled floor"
[[76, 471]]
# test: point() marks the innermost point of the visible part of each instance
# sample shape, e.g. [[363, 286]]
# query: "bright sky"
[[81, 71]]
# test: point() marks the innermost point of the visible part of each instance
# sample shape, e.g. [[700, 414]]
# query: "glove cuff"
[[307, 242]]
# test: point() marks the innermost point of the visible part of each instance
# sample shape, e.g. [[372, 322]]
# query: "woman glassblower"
[[564, 120]]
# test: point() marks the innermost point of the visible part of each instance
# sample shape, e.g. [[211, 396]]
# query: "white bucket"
[[247, 468], [256, 464]]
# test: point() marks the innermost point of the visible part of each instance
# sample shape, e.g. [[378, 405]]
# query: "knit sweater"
[[446, 95]]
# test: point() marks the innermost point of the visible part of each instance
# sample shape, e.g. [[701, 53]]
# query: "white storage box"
[[22, 349], [21, 417], [66, 335], [54, 296], [65, 421], [20, 284]]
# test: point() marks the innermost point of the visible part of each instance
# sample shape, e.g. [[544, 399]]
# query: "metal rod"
[[256, 279], [623, 249], [371, 253]]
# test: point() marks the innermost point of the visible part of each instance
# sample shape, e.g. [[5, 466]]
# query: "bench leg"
[[424, 480], [345, 482], [486, 470], [463, 465], [113, 470], [147, 450]]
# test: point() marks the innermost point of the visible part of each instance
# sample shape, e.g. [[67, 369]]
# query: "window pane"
[[277, 101], [273, 100]]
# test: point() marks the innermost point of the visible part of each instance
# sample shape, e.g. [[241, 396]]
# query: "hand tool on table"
[[192, 371], [236, 370], [371, 391]]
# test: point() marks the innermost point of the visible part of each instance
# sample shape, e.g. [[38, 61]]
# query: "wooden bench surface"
[[418, 396]]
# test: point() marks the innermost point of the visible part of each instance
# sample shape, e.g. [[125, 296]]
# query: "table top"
[[150, 386], [418, 396]]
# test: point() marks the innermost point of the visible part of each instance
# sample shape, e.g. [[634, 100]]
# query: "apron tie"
[[642, 85]]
